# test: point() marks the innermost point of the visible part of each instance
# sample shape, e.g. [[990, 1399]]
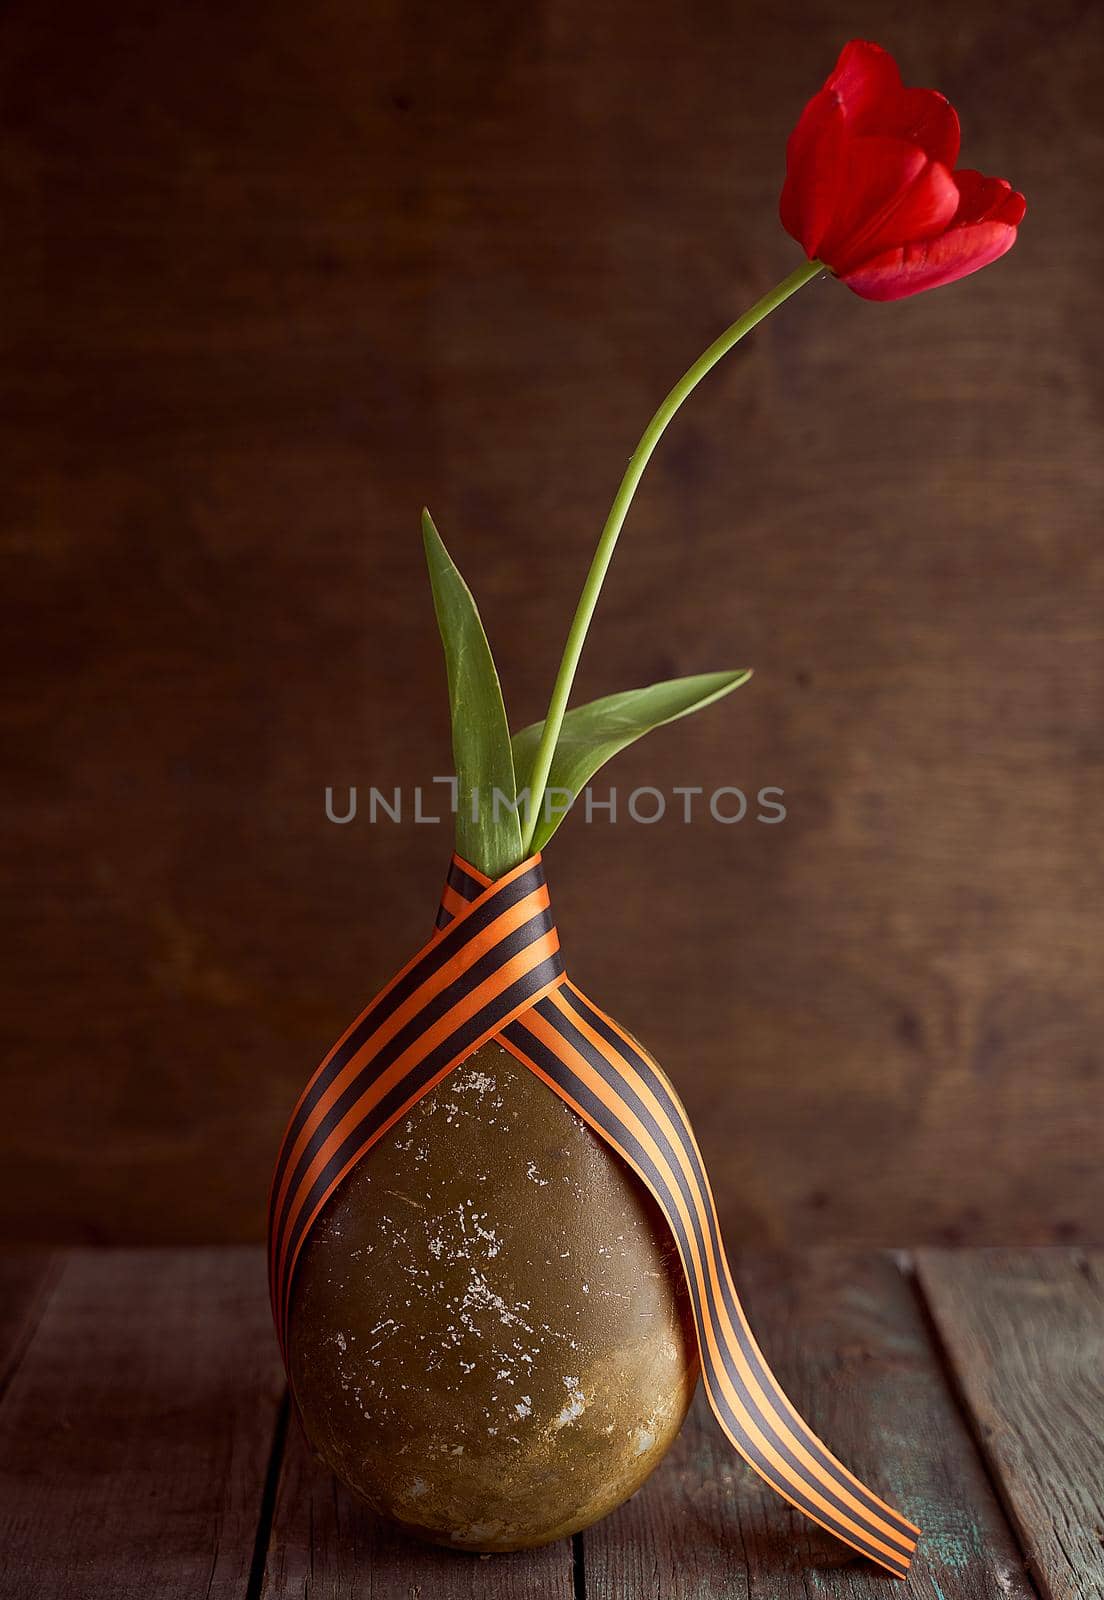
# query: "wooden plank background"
[[138, 1426], [271, 279], [846, 1336], [146, 1444], [1024, 1335]]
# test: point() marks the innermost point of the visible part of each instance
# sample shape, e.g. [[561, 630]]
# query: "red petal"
[[923, 117], [869, 185], [890, 193], [987, 199], [864, 77], [867, 84], [813, 169], [913, 267]]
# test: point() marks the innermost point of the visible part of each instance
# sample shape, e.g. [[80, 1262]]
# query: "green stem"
[[588, 600]]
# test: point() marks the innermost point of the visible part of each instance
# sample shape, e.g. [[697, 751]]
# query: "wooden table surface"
[[146, 1448]]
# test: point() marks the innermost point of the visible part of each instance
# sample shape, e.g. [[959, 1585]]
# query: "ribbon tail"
[[604, 1075]]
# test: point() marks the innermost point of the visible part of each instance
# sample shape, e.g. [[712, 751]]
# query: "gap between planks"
[[849, 1338], [1022, 1332], [160, 1368], [846, 1335]]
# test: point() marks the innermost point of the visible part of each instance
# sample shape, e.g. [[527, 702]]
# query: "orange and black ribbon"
[[493, 970]]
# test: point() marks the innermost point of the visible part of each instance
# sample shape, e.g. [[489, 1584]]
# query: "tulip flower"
[[871, 188], [873, 196]]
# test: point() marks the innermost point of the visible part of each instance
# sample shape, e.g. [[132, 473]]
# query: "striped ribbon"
[[493, 970]]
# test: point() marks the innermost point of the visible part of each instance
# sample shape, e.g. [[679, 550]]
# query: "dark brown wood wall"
[[272, 276]]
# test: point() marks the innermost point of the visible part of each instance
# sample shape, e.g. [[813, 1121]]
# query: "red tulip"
[[871, 188]]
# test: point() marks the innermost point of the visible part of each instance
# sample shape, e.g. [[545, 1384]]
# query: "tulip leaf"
[[488, 831], [591, 734]]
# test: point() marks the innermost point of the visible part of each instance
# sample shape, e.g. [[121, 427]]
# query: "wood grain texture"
[[1024, 1332], [135, 1434], [270, 282], [326, 1545], [847, 1338]]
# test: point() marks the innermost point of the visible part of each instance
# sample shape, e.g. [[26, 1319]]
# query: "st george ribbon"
[[493, 970]]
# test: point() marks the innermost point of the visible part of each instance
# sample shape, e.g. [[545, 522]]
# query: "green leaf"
[[591, 734], [487, 835]]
